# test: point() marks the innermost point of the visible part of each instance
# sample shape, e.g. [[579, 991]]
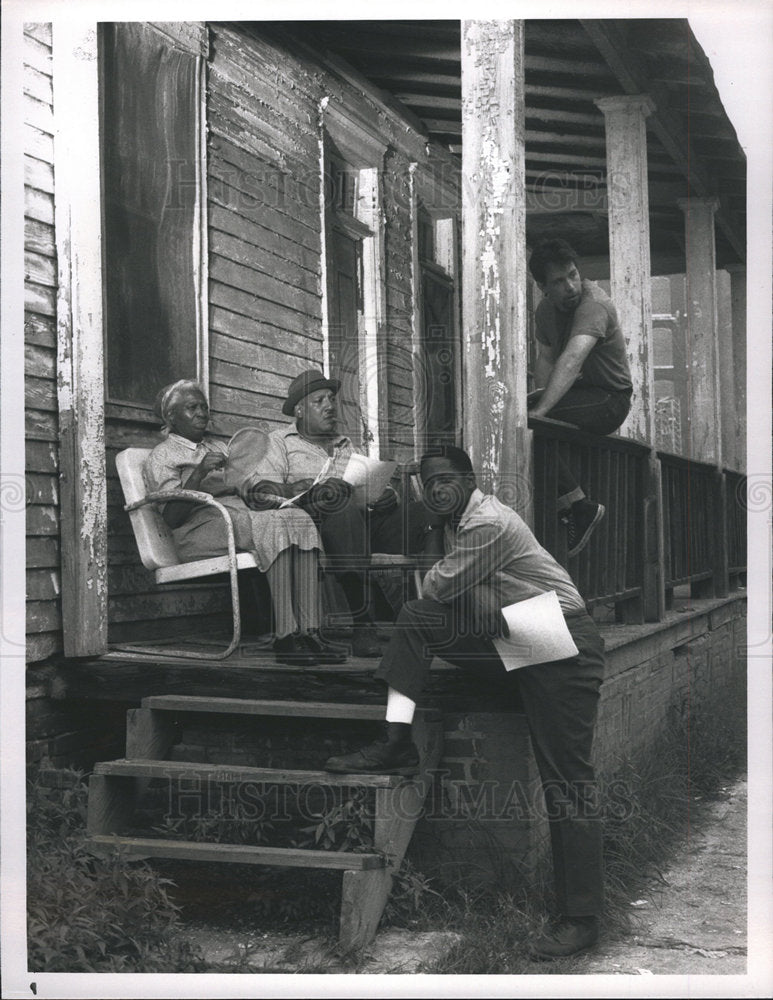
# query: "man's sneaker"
[[365, 642], [378, 758], [564, 937], [580, 520]]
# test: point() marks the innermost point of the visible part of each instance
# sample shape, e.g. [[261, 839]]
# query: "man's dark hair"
[[550, 252], [459, 459]]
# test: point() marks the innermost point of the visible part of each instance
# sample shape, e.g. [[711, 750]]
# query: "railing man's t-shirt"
[[606, 365]]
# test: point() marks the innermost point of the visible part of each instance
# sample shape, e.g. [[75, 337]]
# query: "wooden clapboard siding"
[[399, 297], [264, 232], [43, 581]]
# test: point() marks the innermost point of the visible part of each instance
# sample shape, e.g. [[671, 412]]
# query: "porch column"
[[494, 259], [726, 363], [629, 248], [738, 320], [703, 369], [80, 352]]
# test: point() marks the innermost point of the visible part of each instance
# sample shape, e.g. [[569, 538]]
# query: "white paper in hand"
[[538, 633], [368, 476]]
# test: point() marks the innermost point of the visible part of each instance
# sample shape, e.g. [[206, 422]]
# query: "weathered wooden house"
[[238, 201]]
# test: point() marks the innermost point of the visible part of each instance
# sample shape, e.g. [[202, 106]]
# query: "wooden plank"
[[37, 54], [110, 805], [194, 600], [40, 362], [287, 253], [259, 259], [41, 457], [263, 359], [38, 205], [40, 426], [43, 616], [235, 773], [41, 32], [39, 238], [37, 84], [39, 299], [295, 194], [43, 584], [38, 174], [221, 190], [40, 647], [241, 376], [134, 579], [42, 553], [38, 144], [252, 706], [261, 121], [42, 489], [40, 394], [39, 115], [222, 293], [243, 854], [40, 330], [79, 320], [250, 405], [264, 286], [255, 332]]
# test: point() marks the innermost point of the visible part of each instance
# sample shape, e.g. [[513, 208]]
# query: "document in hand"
[[538, 633], [369, 477]]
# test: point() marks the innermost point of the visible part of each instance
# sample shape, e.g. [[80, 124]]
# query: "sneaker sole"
[[406, 772], [588, 532]]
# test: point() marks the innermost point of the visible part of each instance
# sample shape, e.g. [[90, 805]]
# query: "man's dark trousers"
[[592, 409], [350, 533], [560, 700]]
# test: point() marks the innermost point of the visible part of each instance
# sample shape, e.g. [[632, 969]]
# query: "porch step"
[[238, 773], [249, 706], [243, 854], [116, 787]]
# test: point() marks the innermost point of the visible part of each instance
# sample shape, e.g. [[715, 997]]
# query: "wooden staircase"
[[115, 788]]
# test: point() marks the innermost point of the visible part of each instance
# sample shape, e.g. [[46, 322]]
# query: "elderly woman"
[[285, 542]]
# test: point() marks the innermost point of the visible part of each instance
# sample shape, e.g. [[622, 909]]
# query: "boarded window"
[[149, 151]]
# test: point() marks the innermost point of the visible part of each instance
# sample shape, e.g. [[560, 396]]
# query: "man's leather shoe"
[[565, 937], [378, 758], [322, 651], [365, 642], [293, 652]]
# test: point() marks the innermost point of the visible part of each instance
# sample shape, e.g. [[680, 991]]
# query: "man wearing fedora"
[[309, 448]]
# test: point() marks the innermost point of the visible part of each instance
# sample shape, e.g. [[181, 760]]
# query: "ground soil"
[[692, 922]]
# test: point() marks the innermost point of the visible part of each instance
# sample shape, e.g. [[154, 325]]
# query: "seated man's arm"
[[476, 556], [543, 367], [565, 373]]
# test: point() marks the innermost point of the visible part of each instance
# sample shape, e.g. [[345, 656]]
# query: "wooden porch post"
[[630, 273], [629, 248], [77, 217], [703, 371], [738, 319], [494, 259]]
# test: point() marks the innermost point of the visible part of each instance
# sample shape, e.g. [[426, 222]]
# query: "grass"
[[686, 764]]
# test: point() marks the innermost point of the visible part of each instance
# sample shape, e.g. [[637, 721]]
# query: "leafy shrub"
[[93, 914]]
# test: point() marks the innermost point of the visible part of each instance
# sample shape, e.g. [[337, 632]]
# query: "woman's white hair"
[[169, 397]]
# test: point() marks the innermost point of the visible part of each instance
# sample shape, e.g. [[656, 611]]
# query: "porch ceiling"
[[692, 145]]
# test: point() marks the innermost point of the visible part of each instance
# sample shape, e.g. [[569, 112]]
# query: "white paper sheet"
[[538, 633], [369, 476]]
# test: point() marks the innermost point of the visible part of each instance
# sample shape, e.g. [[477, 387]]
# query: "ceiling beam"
[[632, 73]]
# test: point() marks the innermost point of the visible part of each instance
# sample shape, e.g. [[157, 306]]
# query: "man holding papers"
[[310, 464], [487, 560]]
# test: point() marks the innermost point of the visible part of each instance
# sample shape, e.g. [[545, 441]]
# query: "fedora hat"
[[303, 384]]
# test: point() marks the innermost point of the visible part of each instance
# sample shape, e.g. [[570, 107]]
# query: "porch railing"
[[694, 527], [615, 472], [697, 509], [736, 506]]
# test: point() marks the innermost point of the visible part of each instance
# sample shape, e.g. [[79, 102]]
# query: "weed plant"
[[88, 913]]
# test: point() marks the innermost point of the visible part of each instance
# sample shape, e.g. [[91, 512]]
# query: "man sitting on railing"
[[310, 457], [582, 371], [486, 559]]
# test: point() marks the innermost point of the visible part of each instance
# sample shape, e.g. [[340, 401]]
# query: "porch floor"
[[252, 671]]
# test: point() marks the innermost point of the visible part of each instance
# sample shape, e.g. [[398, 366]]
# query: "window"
[[152, 240], [354, 289]]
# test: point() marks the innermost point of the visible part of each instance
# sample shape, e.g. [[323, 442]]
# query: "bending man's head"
[[448, 480], [553, 265]]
